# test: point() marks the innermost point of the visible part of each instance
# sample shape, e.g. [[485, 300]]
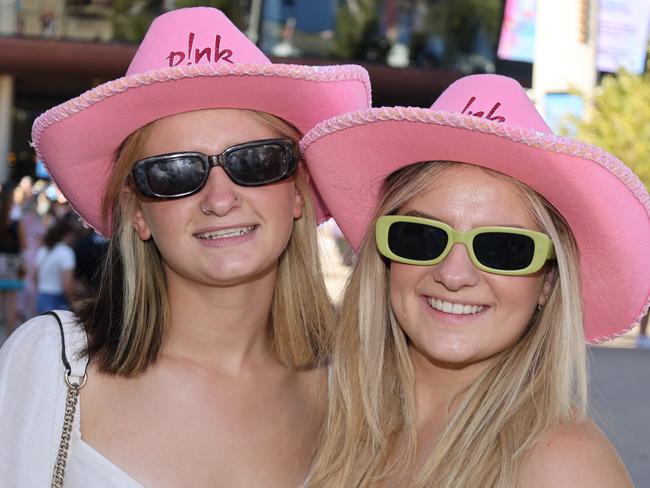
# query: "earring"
[[541, 306]]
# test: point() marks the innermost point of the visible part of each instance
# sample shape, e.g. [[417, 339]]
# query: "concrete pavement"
[[620, 392]]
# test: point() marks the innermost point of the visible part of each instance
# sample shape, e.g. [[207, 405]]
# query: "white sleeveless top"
[[32, 404]]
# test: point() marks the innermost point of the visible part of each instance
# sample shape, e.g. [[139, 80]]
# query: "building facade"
[[53, 50]]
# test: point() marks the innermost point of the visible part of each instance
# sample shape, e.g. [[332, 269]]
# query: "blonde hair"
[[127, 319], [370, 432]]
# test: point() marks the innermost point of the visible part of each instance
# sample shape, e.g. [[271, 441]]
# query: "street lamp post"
[[255, 21], [6, 102]]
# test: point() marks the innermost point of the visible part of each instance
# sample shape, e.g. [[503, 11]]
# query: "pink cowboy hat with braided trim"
[[190, 59], [489, 121]]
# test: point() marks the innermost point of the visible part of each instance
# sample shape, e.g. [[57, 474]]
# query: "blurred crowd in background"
[[47, 256]]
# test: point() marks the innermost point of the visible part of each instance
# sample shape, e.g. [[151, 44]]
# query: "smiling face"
[[453, 313], [225, 234]]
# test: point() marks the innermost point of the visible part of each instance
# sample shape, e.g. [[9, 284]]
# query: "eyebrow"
[[417, 213]]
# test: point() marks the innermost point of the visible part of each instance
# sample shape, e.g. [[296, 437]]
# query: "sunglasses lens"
[[168, 177], [504, 251], [261, 164], [416, 241]]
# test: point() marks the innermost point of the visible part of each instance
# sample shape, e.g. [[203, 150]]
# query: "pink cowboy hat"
[[190, 59], [489, 121]]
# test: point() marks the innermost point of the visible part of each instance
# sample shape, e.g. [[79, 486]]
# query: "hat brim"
[[78, 140], [604, 203]]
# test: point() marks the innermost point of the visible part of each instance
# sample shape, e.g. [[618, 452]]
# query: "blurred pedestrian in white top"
[[33, 230], [56, 264]]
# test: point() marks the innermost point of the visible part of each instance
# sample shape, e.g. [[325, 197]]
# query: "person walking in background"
[[33, 230], [55, 263], [11, 267]]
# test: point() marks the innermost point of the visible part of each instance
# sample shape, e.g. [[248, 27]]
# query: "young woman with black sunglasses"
[[199, 361]]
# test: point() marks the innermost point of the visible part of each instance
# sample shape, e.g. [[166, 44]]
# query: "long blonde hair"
[[370, 432], [127, 319]]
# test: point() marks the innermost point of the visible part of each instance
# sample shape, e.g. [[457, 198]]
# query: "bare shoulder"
[[574, 456]]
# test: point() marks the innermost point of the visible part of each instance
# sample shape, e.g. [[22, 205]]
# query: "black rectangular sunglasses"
[[182, 174]]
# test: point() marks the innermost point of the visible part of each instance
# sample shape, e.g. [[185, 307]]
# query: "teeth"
[[225, 233], [454, 308]]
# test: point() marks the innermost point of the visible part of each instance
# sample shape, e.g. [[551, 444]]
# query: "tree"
[[131, 18], [458, 26], [357, 36], [619, 120], [236, 10], [458, 22]]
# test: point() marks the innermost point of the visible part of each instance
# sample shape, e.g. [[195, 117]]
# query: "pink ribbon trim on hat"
[[626, 329], [106, 90], [553, 143]]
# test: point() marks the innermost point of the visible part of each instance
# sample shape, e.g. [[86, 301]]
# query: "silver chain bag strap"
[[73, 384]]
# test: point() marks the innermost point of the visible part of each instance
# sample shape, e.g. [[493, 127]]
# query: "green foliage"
[[235, 10], [620, 121], [454, 22], [357, 23], [131, 18], [457, 21]]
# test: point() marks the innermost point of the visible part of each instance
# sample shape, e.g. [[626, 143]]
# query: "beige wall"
[[84, 23], [562, 62]]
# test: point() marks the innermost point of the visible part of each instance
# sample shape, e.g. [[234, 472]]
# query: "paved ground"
[[620, 380]]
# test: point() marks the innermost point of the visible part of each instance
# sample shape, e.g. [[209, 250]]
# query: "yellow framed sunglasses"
[[499, 250]]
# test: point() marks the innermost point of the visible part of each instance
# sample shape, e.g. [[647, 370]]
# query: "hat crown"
[[191, 36], [492, 97]]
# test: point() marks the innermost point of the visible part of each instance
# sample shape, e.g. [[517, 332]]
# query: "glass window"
[[457, 34]]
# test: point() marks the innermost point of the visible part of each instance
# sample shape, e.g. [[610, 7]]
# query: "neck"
[[222, 327], [439, 386]]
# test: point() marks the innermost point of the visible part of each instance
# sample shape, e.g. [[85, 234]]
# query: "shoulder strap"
[[75, 379], [71, 339]]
